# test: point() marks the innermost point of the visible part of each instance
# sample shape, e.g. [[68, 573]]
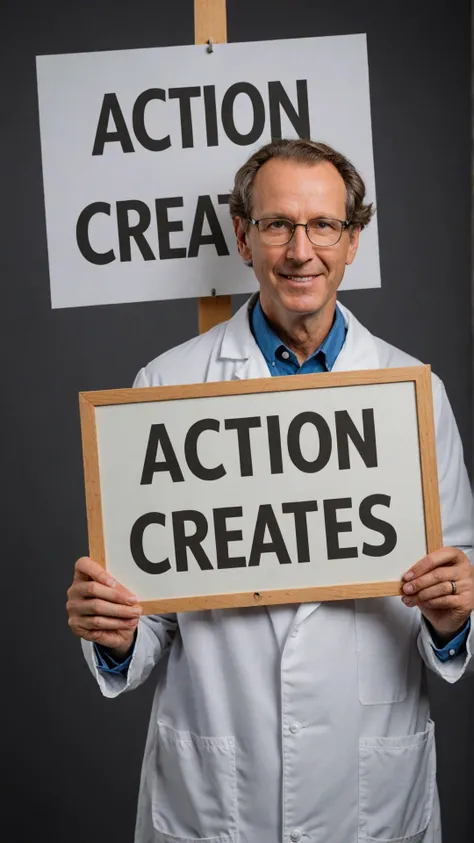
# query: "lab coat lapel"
[[238, 345]]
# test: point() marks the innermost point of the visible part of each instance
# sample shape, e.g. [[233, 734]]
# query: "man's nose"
[[300, 248]]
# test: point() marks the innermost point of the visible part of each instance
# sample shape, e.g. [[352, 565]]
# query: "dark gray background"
[[72, 758]]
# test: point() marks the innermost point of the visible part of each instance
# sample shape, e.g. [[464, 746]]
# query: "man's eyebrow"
[[279, 215]]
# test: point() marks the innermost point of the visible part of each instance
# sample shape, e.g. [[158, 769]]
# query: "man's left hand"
[[429, 585]]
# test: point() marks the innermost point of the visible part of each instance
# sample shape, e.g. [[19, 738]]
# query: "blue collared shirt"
[[281, 361]]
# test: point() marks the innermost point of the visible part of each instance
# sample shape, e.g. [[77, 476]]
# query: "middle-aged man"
[[289, 723]]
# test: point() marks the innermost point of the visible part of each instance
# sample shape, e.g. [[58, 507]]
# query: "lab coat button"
[[294, 729], [294, 632], [295, 835]]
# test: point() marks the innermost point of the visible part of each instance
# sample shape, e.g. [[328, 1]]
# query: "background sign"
[[140, 148], [226, 493]]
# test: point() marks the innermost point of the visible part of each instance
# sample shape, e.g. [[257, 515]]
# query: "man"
[[302, 722]]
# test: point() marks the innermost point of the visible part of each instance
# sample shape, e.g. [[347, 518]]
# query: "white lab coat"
[[311, 723]]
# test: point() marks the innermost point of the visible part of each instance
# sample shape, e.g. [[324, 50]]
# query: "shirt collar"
[[269, 342]]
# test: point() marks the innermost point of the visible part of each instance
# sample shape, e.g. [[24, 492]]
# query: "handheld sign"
[[279, 490]]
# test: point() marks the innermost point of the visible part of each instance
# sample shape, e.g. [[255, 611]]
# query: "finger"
[[95, 606], [451, 602], [444, 556], [85, 569], [92, 589], [443, 589], [435, 577], [101, 623]]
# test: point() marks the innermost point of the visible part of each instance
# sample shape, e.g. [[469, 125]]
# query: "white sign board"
[[140, 149], [285, 488]]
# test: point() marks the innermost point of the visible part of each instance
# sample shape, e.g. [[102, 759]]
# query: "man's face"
[[298, 278]]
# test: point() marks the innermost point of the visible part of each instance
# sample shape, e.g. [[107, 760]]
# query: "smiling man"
[[306, 722]]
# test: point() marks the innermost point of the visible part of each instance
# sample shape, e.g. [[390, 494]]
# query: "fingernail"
[[409, 575], [408, 589], [111, 583], [132, 599], [407, 601], [137, 610]]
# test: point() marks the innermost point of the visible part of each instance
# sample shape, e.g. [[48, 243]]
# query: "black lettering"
[[266, 520], [210, 112], [184, 96], [243, 427], [182, 542], [227, 113], [82, 234], [274, 445], [205, 211], [325, 443], [223, 198], [300, 510], [365, 443], [128, 232], [153, 144], [191, 454], [369, 520], [159, 436], [299, 118], [166, 226], [334, 527], [111, 108], [224, 536], [136, 544]]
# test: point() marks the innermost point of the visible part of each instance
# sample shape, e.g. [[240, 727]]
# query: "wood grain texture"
[[286, 383], [210, 21], [90, 456], [429, 470], [273, 598], [212, 310]]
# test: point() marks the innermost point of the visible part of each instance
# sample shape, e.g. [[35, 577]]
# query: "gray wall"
[[72, 758]]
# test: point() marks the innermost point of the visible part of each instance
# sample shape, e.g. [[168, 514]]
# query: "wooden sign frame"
[[419, 375]]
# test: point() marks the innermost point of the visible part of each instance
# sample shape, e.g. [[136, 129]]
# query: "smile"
[[298, 278]]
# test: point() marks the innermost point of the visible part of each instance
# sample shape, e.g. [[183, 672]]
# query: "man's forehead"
[[293, 181]]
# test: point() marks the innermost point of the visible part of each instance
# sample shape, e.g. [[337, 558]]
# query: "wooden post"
[[210, 22]]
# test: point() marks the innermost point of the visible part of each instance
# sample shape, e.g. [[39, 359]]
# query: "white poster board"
[[275, 490], [140, 148]]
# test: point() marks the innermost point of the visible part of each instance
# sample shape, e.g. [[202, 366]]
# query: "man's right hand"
[[102, 610]]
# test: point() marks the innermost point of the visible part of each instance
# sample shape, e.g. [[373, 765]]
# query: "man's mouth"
[[300, 278]]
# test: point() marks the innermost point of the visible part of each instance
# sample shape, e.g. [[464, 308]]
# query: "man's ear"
[[353, 244], [241, 233]]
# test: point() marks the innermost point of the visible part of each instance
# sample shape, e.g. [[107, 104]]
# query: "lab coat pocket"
[[195, 793], [396, 787], [384, 634]]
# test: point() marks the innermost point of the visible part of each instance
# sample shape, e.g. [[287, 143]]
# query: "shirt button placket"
[[291, 747]]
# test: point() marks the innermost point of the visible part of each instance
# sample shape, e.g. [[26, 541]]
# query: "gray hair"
[[306, 152]]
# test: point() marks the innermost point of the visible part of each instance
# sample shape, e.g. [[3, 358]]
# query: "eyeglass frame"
[[344, 223]]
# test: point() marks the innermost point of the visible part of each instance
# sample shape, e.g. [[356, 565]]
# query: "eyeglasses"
[[322, 231]]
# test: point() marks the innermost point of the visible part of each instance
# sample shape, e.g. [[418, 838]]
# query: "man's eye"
[[277, 225], [323, 225]]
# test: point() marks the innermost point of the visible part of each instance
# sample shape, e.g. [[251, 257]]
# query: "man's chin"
[[304, 303]]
